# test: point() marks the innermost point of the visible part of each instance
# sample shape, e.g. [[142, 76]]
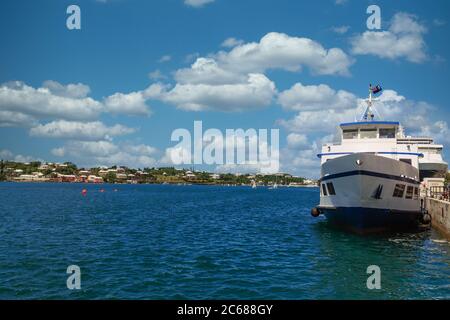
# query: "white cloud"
[[231, 42], [280, 51], [315, 97], [44, 103], [234, 80], [403, 39], [414, 115], [341, 29], [96, 153], [300, 162], [318, 121], [197, 3], [59, 152], [439, 130], [126, 159], [90, 148], [403, 22], [207, 71], [274, 51], [132, 103], [297, 141], [6, 154], [155, 91], [71, 90], [165, 58], [73, 130], [157, 75], [141, 149], [302, 159], [23, 105], [10, 156], [439, 22], [191, 57], [176, 155], [16, 119], [257, 92]]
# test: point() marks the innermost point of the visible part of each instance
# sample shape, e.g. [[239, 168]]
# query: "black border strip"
[[168, 309], [368, 173]]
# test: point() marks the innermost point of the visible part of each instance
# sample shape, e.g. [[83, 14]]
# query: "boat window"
[[330, 188], [408, 161], [368, 133], [350, 134], [324, 189], [416, 193], [409, 192], [399, 190], [387, 133]]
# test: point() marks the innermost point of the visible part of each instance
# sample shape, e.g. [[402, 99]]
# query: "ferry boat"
[[370, 180]]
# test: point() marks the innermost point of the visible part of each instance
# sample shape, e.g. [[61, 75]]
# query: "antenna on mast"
[[369, 113]]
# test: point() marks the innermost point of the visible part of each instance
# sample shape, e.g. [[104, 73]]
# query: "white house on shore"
[[31, 177], [94, 179], [189, 174]]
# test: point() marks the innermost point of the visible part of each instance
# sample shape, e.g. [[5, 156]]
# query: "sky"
[[113, 92]]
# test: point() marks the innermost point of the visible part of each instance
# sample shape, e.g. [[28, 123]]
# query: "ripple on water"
[[198, 242]]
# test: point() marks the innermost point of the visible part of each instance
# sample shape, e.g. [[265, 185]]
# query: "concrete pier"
[[440, 214]]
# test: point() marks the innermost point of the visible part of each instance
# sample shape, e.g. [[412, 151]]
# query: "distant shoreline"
[[161, 183], [68, 172]]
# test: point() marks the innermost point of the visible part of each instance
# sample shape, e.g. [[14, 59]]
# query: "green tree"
[[110, 177], [35, 164]]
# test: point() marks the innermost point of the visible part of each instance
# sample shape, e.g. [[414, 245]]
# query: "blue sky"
[[113, 92]]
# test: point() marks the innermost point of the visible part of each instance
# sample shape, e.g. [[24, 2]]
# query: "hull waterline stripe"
[[351, 209], [368, 173]]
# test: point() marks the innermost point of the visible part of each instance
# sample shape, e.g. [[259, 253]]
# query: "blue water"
[[201, 242]]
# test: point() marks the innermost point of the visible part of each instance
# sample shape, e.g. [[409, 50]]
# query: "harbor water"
[[201, 242]]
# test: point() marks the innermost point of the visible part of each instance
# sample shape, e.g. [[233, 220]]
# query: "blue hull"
[[368, 220]]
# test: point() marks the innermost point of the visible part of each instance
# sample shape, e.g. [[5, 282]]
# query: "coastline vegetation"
[[68, 172]]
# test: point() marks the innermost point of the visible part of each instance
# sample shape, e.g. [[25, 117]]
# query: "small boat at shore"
[[370, 180]]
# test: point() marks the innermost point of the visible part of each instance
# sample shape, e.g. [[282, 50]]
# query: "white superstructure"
[[387, 139]]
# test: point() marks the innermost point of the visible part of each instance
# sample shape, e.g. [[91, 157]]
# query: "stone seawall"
[[440, 215]]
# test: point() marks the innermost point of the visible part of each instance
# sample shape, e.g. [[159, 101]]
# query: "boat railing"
[[416, 138], [332, 144]]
